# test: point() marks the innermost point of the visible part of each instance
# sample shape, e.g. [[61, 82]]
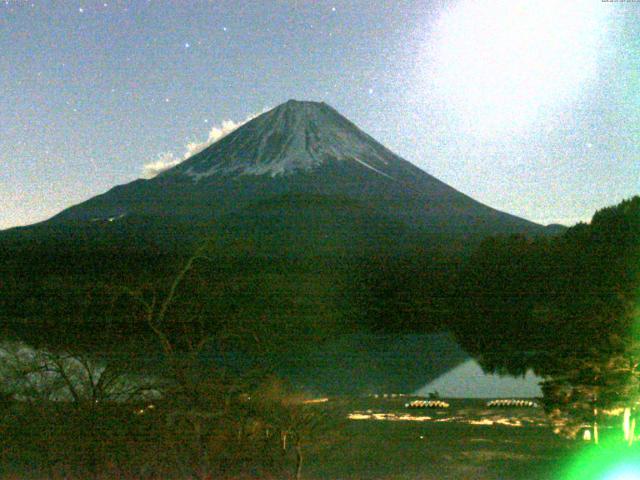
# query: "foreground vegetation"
[[121, 443], [207, 427], [119, 380]]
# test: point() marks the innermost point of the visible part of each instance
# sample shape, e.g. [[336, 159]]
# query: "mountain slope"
[[295, 150]]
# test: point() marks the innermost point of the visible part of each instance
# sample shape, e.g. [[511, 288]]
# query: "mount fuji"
[[320, 233], [298, 176]]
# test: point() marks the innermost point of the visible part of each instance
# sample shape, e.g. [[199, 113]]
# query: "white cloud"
[[165, 161], [168, 160], [215, 134]]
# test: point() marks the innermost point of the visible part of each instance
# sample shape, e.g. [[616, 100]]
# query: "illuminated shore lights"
[[427, 404], [511, 402]]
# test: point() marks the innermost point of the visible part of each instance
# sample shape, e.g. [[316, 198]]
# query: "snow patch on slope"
[[373, 168]]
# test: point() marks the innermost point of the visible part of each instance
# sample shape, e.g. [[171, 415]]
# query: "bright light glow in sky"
[[500, 61]]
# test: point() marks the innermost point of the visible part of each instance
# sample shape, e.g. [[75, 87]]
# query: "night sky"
[[530, 107]]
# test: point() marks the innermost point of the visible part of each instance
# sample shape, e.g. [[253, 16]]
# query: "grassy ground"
[[383, 440], [454, 444]]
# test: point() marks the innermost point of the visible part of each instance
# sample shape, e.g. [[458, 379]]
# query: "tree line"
[[566, 307]]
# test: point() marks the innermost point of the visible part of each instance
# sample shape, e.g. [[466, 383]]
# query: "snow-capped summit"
[[293, 137]]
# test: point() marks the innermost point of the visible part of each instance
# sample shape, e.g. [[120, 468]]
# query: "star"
[[166, 100], [371, 91], [187, 45], [589, 145], [333, 9], [81, 9]]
